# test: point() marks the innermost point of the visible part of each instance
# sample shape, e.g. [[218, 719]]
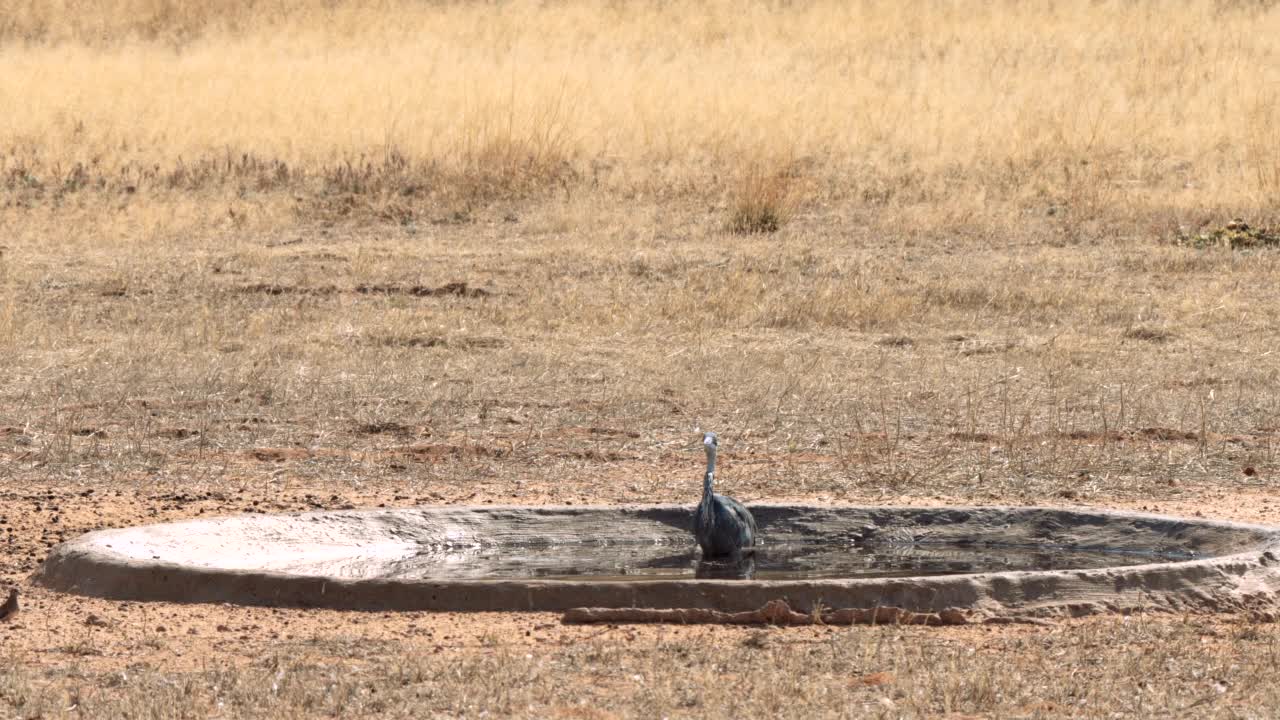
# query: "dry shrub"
[[1235, 235], [8, 320], [1148, 333], [763, 199]]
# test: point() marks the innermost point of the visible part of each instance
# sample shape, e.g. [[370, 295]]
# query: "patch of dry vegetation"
[[1235, 235], [763, 200]]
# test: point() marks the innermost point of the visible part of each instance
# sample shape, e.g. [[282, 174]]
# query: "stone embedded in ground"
[[10, 606], [470, 558]]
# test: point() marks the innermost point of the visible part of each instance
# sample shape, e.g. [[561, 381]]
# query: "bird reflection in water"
[[732, 568]]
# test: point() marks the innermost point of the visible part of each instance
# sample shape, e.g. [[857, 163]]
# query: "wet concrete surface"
[[789, 561]]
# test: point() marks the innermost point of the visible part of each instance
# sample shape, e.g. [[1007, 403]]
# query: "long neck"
[[706, 515], [708, 480]]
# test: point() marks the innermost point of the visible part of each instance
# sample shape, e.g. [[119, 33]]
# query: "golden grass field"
[[278, 256]]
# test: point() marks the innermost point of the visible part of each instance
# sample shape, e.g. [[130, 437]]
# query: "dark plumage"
[[722, 525]]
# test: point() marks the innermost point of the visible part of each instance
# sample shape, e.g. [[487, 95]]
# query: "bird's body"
[[723, 526]]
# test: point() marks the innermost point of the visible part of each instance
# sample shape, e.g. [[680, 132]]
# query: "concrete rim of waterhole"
[[226, 560]]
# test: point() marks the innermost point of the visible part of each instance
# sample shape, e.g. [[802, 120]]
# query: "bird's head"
[[710, 442]]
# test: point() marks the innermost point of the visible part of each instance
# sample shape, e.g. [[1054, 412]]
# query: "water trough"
[[993, 560]]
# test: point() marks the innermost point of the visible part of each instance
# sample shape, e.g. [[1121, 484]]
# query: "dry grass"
[[1019, 364], [287, 255], [401, 108]]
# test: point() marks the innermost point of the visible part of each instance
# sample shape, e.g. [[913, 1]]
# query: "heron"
[[722, 525]]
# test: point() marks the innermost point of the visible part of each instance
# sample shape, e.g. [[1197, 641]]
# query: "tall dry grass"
[[1125, 104]]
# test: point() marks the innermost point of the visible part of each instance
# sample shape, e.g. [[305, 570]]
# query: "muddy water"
[[796, 561]]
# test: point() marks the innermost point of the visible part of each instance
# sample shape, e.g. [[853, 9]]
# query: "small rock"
[[876, 679], [10, 606]]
